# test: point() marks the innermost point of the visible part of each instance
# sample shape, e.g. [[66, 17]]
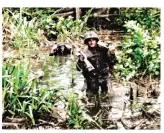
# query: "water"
[[61, 74]]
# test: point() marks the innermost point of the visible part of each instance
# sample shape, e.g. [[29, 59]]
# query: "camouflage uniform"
[[101, 61]]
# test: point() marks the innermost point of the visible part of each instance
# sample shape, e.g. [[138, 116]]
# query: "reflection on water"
[[61, 73]]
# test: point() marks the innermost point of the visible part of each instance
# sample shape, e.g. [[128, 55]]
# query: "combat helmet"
[[89, 35]]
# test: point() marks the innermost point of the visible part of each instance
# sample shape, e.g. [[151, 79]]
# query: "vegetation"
[[22, 96], [75, 112], [140, 53], [140, 50], [26, 28], [148, 18]]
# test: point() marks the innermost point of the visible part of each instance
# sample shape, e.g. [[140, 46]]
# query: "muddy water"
[[115, 113], [60, 72]]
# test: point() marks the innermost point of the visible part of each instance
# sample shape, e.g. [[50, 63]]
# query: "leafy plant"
[[21, 33], [21, 95], [69, 27], [75, 117], [26, 23], [149, 18], [140, 53]]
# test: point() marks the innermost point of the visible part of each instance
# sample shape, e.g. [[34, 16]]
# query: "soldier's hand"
[[111, 50], [81, 58]]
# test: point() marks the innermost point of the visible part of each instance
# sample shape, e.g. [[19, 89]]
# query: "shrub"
[[140, 53]]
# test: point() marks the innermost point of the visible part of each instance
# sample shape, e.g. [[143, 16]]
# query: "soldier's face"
[[92, 42]]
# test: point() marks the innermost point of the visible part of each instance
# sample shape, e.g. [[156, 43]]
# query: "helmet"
[[89, 35]]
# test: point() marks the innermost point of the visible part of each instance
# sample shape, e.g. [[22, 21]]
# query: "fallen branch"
[[139, 125], [47, 123], [87, 117], [65, 14], [15, 120], [97, 115], [57, 11], [123, 123], [104, 15], [148, 115], [11, 124], [91, 120]]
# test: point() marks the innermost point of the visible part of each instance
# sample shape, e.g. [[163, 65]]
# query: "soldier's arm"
[[80, 66], [112, 55], [111, 50]]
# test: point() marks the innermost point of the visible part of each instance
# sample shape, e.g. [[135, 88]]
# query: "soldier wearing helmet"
[[101, 58], [90, 35]]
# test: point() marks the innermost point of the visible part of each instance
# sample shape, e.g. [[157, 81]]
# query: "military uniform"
[[102, 62]]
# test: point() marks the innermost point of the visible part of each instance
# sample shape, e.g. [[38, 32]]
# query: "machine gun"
[[88, 64]]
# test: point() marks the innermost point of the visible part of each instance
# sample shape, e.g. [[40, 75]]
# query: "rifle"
[[88, 64]]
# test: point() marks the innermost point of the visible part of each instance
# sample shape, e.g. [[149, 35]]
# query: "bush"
[[149, 18], [18, 32], [75, 113], [21, 94], [140, 53]]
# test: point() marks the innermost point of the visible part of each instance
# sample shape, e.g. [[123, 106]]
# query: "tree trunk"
[[78, 13]]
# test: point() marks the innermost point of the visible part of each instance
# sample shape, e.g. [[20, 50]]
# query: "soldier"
[[61, 49], [102, 58]]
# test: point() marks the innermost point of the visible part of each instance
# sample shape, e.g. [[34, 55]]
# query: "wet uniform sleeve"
[[80, 66], [112, 61]]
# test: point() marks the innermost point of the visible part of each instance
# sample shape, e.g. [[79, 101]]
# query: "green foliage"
[[149, 18], [26, 25], [22, 28], [21, 94], [140, 53], [69, 27], [18, 31], [48, 20], [76, 119]]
